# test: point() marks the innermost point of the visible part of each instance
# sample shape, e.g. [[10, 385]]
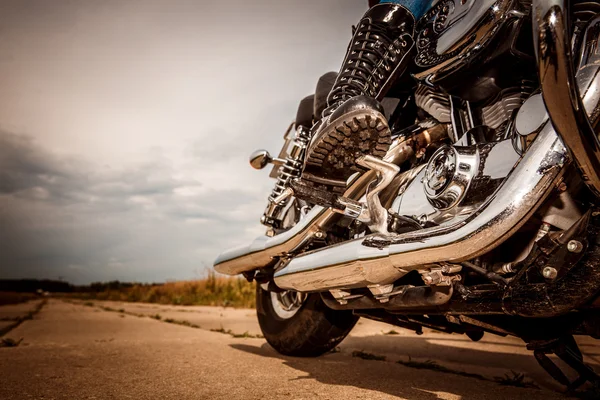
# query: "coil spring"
[[292, 168]]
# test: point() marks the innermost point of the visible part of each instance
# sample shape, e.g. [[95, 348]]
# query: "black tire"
[[313, 330]]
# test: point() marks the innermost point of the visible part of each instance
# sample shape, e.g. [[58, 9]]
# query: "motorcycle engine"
[[459, 176]]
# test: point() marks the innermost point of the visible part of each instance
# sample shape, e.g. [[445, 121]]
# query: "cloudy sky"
[[125, 127]]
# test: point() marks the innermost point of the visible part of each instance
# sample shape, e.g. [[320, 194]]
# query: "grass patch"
[[88, 304], [181, 322], [156, 317], [8, 342], [222, 330], [121, 311], [392, 332], [516, 379], [229, 332], [212, 291], [367, 356], [246, 335]]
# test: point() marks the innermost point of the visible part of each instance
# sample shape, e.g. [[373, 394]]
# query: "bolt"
[[550, 273], [574, 246], [562, 187], [319, 234], [428, 279]]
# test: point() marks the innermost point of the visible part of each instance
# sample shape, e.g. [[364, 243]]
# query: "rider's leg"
[[353, 123]]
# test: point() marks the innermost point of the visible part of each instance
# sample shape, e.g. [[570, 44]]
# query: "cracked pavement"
[[113, 350]]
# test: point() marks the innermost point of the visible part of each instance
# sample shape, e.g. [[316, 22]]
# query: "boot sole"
[[332, 157]]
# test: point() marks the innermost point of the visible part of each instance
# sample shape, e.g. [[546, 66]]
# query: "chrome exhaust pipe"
[[562, 89], [380, 259]]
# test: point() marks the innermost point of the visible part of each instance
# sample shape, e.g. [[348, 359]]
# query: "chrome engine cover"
[[449, 174], [464, 188]]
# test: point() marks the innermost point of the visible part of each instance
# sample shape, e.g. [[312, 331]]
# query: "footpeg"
[[371, 212]]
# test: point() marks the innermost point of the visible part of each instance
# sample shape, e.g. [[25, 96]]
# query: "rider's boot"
[[353, 124]]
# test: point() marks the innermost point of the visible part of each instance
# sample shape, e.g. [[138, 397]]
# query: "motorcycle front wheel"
[[301, 325]]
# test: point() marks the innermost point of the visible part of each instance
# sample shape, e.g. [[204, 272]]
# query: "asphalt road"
[[108, 350]]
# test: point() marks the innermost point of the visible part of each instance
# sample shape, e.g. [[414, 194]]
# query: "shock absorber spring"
[[290, 169]]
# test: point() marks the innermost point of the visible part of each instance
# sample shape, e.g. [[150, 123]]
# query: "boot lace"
[[372, 57]]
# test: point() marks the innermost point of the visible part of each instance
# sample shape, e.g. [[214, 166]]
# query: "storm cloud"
[[62, 216]]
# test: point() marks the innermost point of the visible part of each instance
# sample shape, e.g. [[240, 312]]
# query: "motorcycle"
[[484, 214]]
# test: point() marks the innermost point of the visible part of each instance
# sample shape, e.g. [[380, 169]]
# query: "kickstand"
[[567, 350]]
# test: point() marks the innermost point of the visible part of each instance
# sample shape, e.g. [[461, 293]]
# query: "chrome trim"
[[380, 260], [588, 72], [560, 90], [287, 303], [531, 116]]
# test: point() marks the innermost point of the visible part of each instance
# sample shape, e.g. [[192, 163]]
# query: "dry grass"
[[367, 356], [15, 298], [516, 379], [237, 335], [213, 291]]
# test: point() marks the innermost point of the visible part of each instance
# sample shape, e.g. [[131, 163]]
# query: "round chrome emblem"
[[448, 175]]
